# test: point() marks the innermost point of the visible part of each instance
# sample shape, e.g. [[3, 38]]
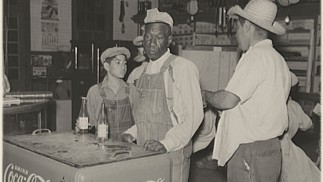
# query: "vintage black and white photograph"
[[161, 91]]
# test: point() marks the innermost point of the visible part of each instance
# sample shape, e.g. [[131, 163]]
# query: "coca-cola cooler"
[[67, 157]]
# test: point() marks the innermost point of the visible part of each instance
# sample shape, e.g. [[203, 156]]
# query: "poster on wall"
[[50, 25], [49, 35], [39, 71], [41, 60], [49, 10]]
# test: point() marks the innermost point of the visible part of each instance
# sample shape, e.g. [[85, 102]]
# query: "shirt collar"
[[263, 42], [160, 61], [105, 83]]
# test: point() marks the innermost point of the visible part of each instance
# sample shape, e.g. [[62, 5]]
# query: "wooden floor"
[[305, 140]]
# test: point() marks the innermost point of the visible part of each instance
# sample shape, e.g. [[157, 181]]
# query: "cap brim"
[[294, 79], [276, 28], [138, 41], [139, 58]]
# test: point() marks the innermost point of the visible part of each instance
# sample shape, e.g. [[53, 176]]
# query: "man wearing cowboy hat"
[[169, 109], [254, 101], [114, 92]]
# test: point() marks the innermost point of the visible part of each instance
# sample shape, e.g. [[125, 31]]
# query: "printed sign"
[[15, 173], [41, 60], [49, 10], [39, 71], [49, 35]]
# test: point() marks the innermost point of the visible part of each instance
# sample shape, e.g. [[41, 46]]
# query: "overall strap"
[[101, 91], [127, 88], [139, 79], [171, 80]]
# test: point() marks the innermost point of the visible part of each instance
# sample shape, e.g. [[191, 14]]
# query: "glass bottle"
[[83, 118], [102, 127]]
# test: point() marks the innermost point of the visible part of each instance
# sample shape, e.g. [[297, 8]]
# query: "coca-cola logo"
[[158, 180], [15, 173]]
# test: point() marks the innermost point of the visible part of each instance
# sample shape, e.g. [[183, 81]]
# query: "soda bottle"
[[102, 127], [83, 118]]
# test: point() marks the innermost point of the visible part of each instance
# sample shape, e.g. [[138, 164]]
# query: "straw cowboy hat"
[[261, 13]]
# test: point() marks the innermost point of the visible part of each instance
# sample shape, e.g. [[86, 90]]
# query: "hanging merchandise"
[[147, 6], [141, 8], [192, 9], [122, 14], [216, 11]]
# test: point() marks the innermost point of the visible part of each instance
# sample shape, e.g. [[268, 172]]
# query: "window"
[[90, 15], [11, 48]]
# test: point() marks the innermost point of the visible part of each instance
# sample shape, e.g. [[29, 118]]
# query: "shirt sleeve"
[[132, 131], [305, 121], [131, 77], [246, 78], [93, 104], [188, 106]]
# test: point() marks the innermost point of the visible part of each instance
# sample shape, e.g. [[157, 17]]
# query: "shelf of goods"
[[298, 46]]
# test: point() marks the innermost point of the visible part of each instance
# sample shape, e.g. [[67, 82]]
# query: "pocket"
[[156, 102], [267, 161], [141, 102]]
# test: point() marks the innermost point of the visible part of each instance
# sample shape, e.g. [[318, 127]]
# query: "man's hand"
[[155, 146], [77, 126], [128, 138]]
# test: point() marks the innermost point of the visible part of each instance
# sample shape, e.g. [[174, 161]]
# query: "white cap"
[[154, 16]]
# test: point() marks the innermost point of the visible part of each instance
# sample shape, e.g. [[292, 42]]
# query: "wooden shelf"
[[217, 45]]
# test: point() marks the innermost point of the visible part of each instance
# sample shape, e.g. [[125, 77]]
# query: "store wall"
[[51, 25], [130, 27]]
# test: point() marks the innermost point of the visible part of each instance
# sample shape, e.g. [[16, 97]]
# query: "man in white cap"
[[254, 101], [141, 58], [169, 109], [114, 92]]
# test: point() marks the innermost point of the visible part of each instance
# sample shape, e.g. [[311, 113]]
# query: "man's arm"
[[94, 103], [188, 106], [221, 99]]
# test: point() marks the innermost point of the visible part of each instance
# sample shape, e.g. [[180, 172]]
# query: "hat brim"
[[275, 28], [139, 58], [287, 2], [294, 79], [138, 41]]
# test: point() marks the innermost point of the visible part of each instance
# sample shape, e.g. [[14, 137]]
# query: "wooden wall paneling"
[[215, 66], [224, 66]]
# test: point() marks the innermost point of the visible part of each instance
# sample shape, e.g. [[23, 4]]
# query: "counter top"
[[25, 107], [77, 150]]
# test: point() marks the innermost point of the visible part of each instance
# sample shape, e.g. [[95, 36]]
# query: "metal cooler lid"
[[77, 150]]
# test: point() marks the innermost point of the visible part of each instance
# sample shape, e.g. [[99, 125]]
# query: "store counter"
[[67, 157]]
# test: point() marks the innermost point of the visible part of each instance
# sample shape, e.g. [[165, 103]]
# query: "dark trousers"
[[256, 162]]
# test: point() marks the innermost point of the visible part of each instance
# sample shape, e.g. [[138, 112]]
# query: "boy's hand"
[[128, 138]]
